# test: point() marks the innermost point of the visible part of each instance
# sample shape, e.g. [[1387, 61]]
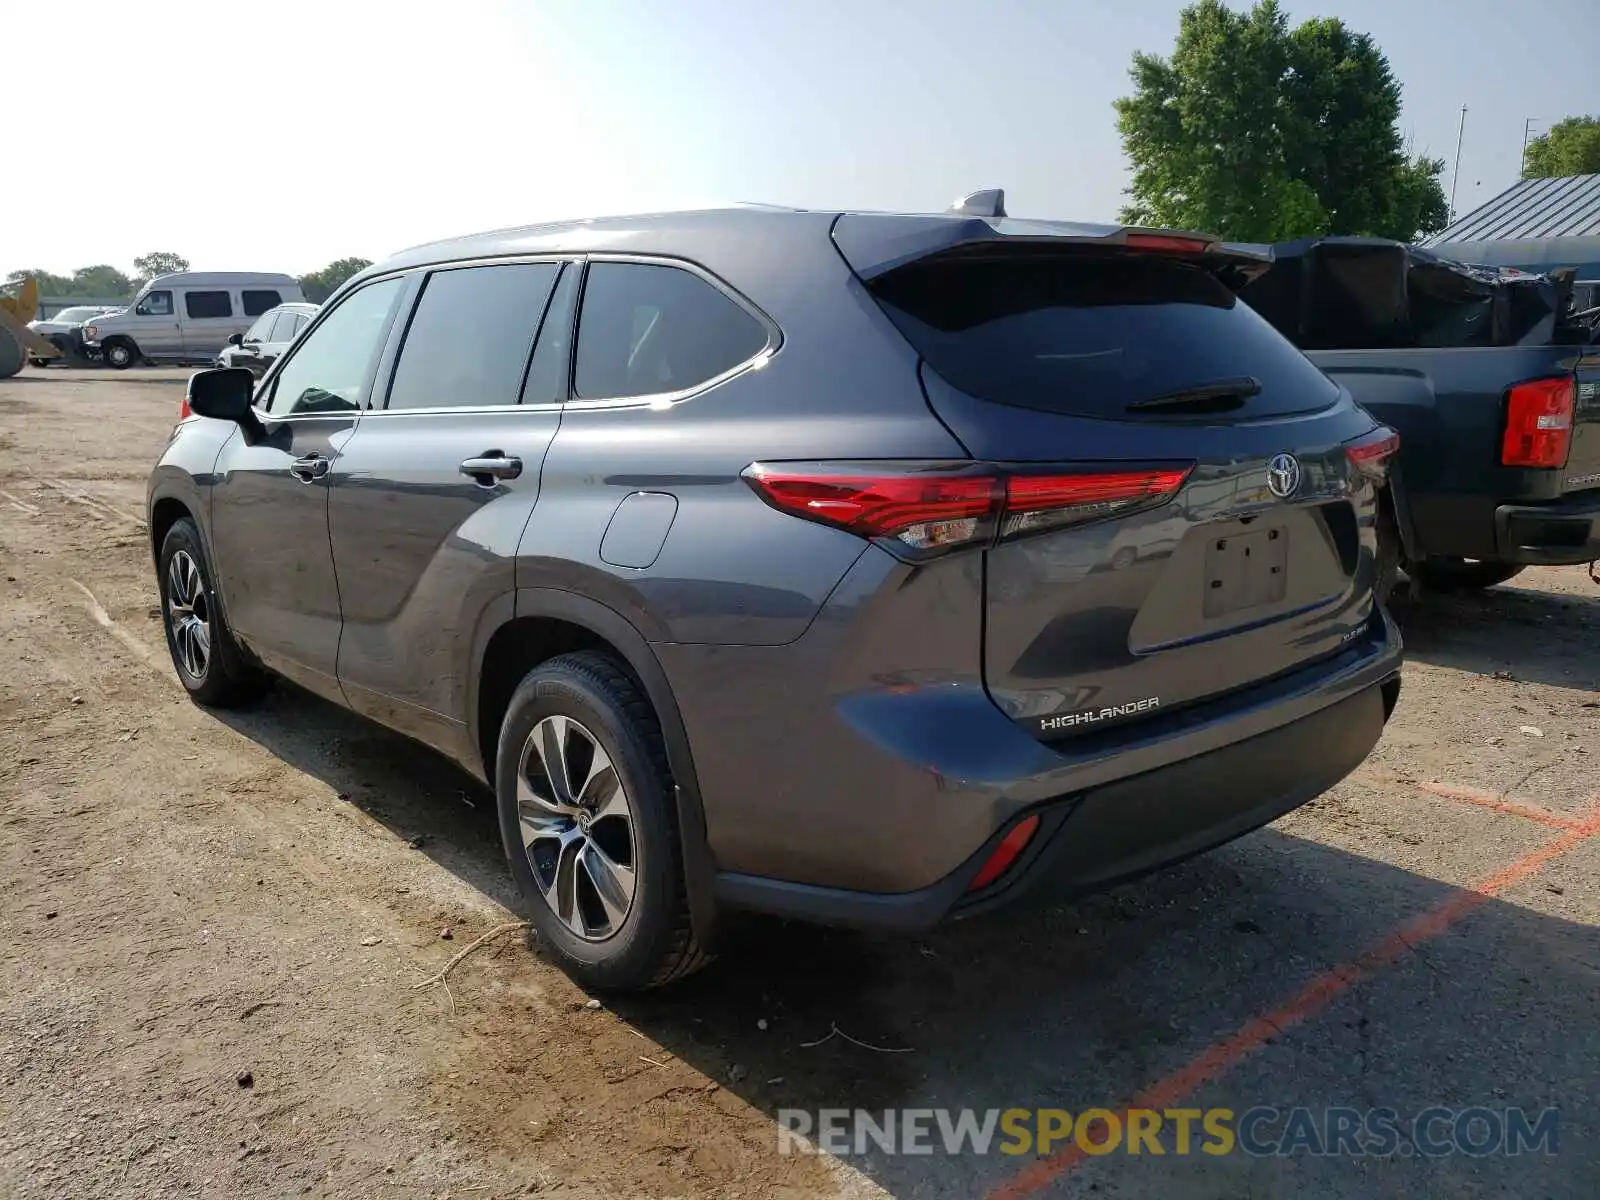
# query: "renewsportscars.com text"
[[1260, 1131]]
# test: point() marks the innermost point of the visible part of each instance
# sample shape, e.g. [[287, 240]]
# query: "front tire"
[[120, 354], [1462, 575], [588, 819], [210, 664]]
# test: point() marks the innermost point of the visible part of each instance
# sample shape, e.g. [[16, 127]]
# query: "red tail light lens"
[[1042, 501], [1370, 455], [926, 506], [183, 408], [923, 508], [1167, 243], [1012, 845], [1539, 423]]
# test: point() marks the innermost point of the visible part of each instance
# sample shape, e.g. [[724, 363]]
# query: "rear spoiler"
[[875, 244]]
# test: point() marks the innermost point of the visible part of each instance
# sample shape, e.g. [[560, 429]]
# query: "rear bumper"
[[1561, 533], [1096, 837]]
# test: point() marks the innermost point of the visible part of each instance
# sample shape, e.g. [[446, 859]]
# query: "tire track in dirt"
[[200, 873]]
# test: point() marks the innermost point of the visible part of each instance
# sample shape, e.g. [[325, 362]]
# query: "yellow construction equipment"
[[18, 343]]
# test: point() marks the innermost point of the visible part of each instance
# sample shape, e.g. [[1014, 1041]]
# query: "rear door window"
[[207, 304], [257, 302], [470, 336], [1089, 335], [552, 357], [647, 329]]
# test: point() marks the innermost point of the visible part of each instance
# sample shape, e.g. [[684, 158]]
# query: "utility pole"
[[1527, 128], [1455, 176]]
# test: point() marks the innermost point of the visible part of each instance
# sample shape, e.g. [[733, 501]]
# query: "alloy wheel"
[[577, 828], [189, 614]]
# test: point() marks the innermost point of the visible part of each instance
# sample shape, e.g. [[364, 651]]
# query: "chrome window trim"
[[671, 399], [650, 400], [270, 379]]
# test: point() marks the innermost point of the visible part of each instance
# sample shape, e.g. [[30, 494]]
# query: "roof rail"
[[990, 202]]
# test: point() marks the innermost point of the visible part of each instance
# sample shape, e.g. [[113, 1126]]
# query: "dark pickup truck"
[[1491, 378]]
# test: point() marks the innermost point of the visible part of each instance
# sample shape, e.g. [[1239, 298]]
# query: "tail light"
[[1370, 455], [184, 412], [1166, 243], [1539, 423], [920, 508], [1045, 501]]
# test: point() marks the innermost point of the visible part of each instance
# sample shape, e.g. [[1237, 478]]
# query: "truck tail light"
[[1539, 423], [924, 508]]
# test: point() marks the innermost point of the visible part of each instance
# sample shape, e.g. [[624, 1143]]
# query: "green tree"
[[319, 285], [100, 282], [158, 262], [1570, 147], [1260, 132], [49, 285]]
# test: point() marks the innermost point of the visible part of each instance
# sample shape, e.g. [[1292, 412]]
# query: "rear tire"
[[210, 664], [120, 354], [1461, 575], [589, 821], [1387, 566]]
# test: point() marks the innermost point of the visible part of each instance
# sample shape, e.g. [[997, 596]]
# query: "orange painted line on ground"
[[1311, 999], [1514, 808]]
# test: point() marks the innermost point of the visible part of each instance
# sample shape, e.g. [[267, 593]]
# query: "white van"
[[187, 317]]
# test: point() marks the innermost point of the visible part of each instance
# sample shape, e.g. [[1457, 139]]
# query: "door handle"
[[491, 466], [311, 467]]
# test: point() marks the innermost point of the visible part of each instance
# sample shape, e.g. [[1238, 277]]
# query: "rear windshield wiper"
[[1222, 395]]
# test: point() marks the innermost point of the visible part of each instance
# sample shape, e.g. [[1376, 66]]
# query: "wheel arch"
[[165, 512], [174, 495], [1411, 547], [536, 624]]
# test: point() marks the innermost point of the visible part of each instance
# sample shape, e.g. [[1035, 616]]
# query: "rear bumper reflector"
[[1006, 853]]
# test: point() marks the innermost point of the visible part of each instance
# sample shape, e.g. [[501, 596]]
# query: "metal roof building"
[[1537, 224]]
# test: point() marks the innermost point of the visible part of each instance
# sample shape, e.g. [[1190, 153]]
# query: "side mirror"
[[223, 393], [235, 339]]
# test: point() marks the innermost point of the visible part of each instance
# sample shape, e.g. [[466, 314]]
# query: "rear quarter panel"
[[841, 383]]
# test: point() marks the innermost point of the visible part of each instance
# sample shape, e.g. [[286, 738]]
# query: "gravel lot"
[[185, 898]]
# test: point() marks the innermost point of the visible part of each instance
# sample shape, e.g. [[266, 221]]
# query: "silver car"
[[260, 346], [65, 328]]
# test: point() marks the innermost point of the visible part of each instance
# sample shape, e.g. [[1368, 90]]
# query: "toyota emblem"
[[1283, 475]]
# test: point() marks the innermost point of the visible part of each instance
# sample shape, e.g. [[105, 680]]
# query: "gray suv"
[[863, 568]]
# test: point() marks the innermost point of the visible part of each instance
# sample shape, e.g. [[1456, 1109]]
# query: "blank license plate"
[[1245, 570]]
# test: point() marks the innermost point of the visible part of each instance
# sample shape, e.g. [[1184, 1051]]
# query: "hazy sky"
[[281, 136]]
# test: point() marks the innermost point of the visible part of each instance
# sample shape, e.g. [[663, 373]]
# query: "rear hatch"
[[1583, 460], [1129, 353]]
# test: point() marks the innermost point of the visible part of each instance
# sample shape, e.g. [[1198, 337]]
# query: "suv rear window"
[[1088, 335], [648, 329]]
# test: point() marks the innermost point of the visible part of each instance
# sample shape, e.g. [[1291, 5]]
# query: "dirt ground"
[[213, 929]]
